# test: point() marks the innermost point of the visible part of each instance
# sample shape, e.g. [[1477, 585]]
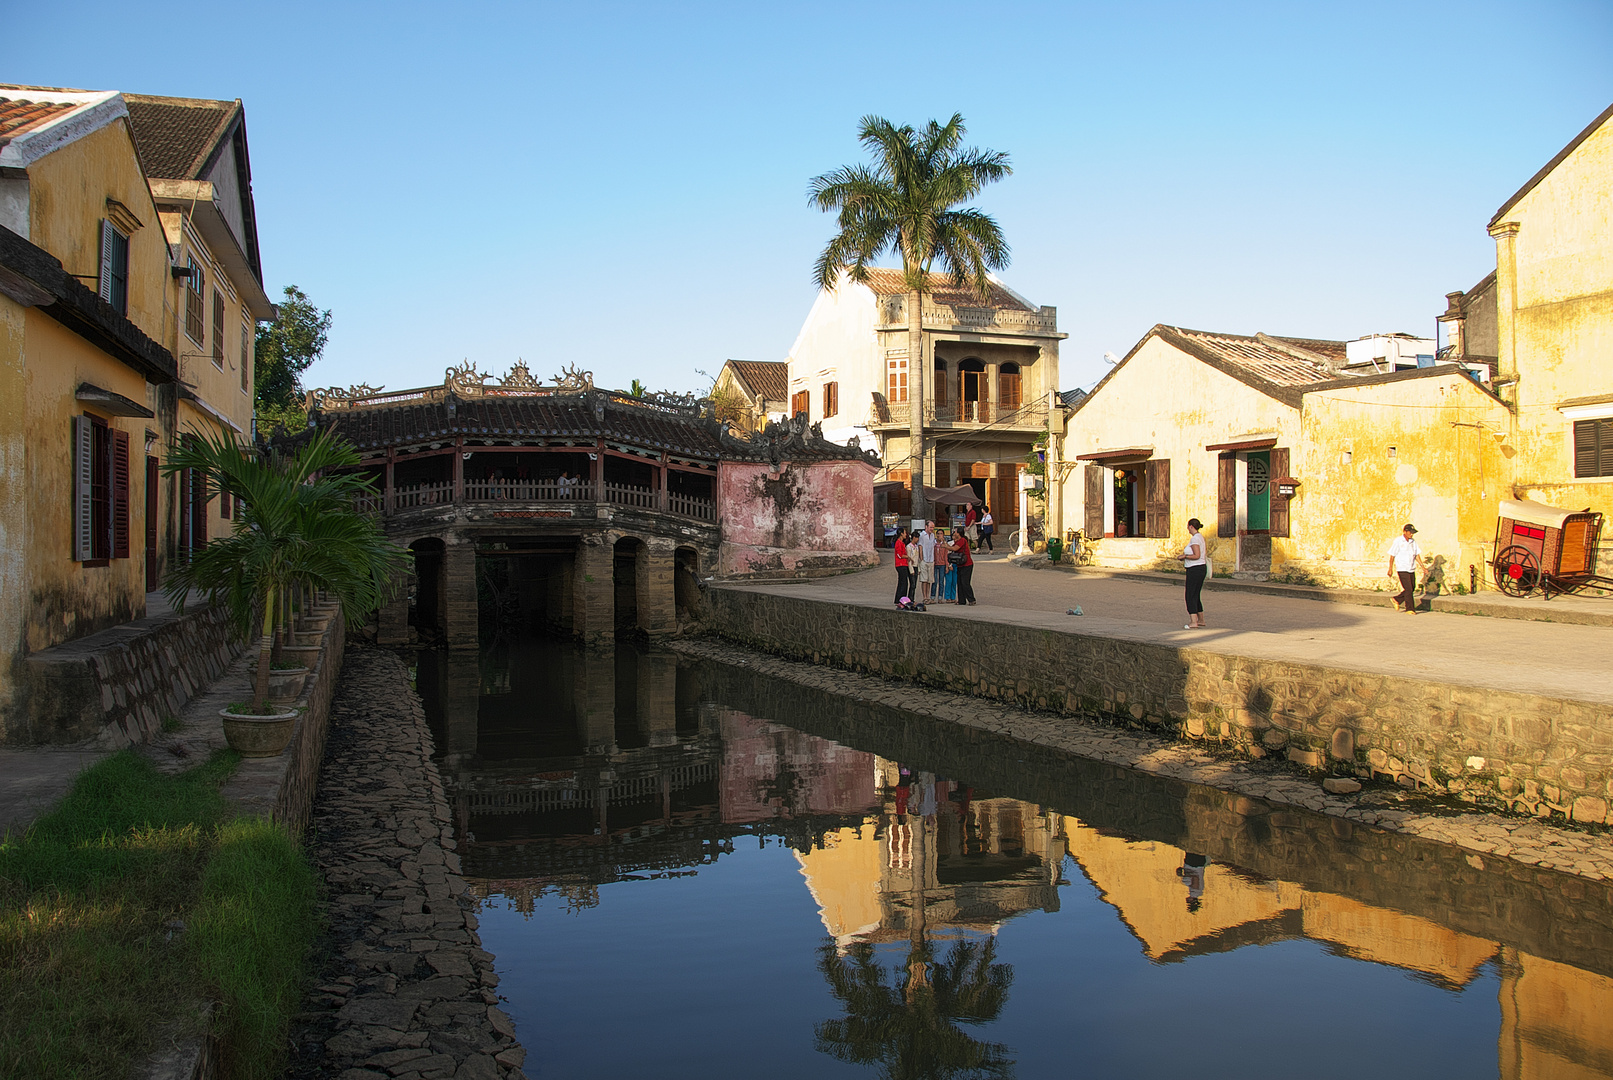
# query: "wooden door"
[[151, 523], [1226, 491], [1093, 522]]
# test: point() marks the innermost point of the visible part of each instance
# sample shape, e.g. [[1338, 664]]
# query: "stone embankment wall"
[[294, 801], [1540, 755], [117, 686]]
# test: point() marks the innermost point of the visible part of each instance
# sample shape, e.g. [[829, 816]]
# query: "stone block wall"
[[117, 686], [294, 802], [1541, 755]]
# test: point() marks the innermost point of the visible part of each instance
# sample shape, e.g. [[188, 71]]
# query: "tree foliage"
[[285, 349]]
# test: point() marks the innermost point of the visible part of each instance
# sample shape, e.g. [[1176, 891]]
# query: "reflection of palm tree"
[[911, 1030]]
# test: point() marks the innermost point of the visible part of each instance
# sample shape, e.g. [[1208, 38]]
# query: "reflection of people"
[[1405, 558], [1192, 874], [1197, 561]]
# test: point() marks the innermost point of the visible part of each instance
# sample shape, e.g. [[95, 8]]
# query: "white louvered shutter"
[[83, 481], [106, 260]]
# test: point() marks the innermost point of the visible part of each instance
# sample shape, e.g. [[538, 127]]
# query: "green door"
[[1259, 488]]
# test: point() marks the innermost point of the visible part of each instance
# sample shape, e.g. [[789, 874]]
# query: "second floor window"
[[218, 329], [1008, 391], [831, 399], [1593, 447], [195, 325], [800, 402], [896, 380], [246, 359], [114, 267]]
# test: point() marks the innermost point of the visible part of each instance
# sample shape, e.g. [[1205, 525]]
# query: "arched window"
[[1008, 390], [972, 394]]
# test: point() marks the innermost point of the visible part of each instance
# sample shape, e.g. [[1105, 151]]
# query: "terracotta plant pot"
[[308, 637], [305, 655], [318, 621], [258, 736], [284, 683]]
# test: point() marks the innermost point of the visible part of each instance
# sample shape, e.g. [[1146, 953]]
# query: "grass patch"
[[91, 967]]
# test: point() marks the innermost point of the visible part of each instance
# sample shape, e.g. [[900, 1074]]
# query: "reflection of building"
[[1553, 1017], [936, 860]]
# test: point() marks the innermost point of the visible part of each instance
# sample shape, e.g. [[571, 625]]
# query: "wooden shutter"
[[152, 480], [218, 329], [1226, 490], [1094, 502], [1593, 448], [1157, 475], [940, 382], [106, 260], [198, 510], [1279, 505], [120, 494], [83, 489], [184, 500], [799, 403]]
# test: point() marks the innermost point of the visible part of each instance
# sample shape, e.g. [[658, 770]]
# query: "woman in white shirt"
[[1196, 558]]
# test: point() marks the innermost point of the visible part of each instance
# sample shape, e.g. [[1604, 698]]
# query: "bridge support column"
[[558, 601], [392, 622], [459, 593], [593, 591], [462, 688], [596, 700], [658, 698], [657, 602]]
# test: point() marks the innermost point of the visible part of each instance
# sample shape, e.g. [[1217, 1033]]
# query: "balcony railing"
[[1013, 417], [441, 493]]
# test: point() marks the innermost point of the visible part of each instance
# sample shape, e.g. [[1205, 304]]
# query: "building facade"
[[989, 372], [749, 393]]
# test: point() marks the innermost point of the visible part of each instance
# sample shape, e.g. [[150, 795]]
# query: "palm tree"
[[298, 528], [908, 201]]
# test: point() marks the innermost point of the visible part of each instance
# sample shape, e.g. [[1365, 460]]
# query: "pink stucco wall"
[[795, 518]]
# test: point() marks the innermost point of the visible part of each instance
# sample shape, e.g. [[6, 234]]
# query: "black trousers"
[[904, 583], [1195, 589], [966, 589], [1408, 589]]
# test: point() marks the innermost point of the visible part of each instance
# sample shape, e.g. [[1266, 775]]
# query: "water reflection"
[[919, 847]]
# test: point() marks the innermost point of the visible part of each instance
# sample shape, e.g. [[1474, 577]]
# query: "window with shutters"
[[218, 329], [1092, 523], [195, 326], [831, 399], [114, 267], [100, 491], [800, 402], [940, 381], [1226, 494], [1593, 447], [896, 380], [1279, 505], [1008, 388], [246, 359], [1157, 490]]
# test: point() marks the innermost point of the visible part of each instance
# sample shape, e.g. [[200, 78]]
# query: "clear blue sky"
[[623, 186]]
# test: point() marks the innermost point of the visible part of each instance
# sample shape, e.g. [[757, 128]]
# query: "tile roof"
[[21, 114], [1260, 359], [176, 137], [768, 379], [887, 281]]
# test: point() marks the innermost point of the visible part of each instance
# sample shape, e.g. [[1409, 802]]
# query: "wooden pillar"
[[459, 470], [386, 492], [661, 488], [652, 581], [596, 471], [593, 591], [459, 592]]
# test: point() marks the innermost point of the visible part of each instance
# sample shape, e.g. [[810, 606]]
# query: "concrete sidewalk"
[[1556, 660]]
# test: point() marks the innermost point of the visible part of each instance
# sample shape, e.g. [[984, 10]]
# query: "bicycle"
[[1083, 552], [1036, 534]]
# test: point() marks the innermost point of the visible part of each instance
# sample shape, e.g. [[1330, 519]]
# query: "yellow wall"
[[1554, 271], [1444, 478], [67, 193], [1554, 1020], [219, 386], [1178, 405], [13, 495]]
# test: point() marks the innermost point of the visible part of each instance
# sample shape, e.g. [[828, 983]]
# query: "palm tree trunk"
[[915, 399], [260, 688]]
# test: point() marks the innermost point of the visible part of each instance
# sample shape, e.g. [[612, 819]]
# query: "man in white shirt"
[[927, 560], [1405, 557]]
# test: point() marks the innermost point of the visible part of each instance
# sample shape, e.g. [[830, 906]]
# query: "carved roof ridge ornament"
[[793, 438], [519, 377], [572, 377], [465, 380], [335, 397]]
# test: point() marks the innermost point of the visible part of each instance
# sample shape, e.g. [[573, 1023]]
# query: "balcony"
[[1031, 416], [527, 492]]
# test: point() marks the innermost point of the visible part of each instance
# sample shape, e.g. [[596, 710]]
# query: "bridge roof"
[[586, 414]]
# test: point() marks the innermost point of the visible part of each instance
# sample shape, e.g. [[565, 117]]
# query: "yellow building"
[[1554, 326], [749, 393]]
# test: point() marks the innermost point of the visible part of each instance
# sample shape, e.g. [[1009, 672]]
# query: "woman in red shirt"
[[904, 573], [966, 569]]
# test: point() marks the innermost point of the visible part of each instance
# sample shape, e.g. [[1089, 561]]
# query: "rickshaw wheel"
[[1517, 571]]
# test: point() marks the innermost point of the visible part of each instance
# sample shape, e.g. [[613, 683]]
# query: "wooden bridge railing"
[[415, 496]]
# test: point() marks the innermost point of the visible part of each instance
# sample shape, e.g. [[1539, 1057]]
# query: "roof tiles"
[[19, 115], [1265, 361], [175, 137], [886, 281], [768, 379]]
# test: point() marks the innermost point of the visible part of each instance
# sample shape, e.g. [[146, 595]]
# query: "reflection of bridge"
[[602, 509]]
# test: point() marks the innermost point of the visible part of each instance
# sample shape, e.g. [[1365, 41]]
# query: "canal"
[[687, 870]]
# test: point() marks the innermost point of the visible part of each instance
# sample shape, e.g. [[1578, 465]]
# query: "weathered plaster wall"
[[1178, 405], [1445, 478], [1543, 755], [14, 488], [795, 518], [837, 343], [1555, 317]]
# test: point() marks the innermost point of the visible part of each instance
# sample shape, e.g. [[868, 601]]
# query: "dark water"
[[689, 870]]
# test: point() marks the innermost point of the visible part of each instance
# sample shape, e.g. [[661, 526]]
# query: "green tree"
[[908, 201], [637, 390], [284, 350], [298, 527]]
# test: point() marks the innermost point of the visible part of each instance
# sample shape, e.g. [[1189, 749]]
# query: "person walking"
[[926, 568], [988, 525], [904, 574], [1196, 558], [965, 568], [1405, 558]]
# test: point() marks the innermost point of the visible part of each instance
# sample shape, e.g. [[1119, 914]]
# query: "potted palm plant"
[[298, 529]]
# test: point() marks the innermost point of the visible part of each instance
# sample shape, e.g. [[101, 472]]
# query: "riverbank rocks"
[[406, 991], [1339, 785]]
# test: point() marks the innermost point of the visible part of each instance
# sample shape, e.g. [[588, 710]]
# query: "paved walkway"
[[1551, 659]]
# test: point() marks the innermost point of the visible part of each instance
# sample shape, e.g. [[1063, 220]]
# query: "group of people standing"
[[932, 568]]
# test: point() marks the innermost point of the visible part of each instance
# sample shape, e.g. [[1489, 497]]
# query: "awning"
[[954, 496], [885, 487], [1552, 517], [1261, 441], [107, 401], [1117, 454]]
